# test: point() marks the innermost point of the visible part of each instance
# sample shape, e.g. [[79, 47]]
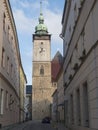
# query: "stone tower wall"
[[42, 88]]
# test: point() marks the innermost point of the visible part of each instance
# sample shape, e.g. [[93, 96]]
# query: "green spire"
[[41, 27]]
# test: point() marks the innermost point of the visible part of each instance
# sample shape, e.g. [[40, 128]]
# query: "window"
[[9, 33], [3, 58], [66, 112], [11, 102], [11, 70], [71, 109], [83, 35], [4, 21], [7, 99], [42, 70], [78, 106], [1, 101], [8, 65], [83, 42], [85, 105], [12, 38]]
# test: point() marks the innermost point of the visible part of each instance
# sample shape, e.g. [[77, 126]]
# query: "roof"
[[28, 89], [56, 65], [58, 57], [41, 28]]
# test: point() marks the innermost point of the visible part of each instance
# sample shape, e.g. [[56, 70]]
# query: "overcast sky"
[[26, 13]]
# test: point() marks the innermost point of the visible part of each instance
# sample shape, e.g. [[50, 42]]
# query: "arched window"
[[42, 70]]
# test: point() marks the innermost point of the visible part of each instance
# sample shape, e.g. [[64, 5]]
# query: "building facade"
[[42, 89], [80, 35], [9, 67], [22, 95], [60, 94], [58, 100], [29, 102], [57, 80], [55, 106]]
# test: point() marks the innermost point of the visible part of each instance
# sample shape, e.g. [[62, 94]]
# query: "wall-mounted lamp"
[[61, 36]]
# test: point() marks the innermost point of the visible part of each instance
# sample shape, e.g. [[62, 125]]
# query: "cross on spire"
[[41, 28], [40, 7]]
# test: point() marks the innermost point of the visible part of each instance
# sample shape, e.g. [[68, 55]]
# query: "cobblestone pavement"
[[31, 125]]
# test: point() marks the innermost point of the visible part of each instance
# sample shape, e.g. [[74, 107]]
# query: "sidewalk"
[[22, 126], [59, 126], [17, 126]]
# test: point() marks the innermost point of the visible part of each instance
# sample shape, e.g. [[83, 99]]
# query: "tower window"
[[42, 70]]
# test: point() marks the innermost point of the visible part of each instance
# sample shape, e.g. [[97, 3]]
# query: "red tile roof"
[[56, 65]]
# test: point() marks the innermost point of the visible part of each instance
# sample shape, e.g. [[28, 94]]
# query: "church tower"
[[41, 77]]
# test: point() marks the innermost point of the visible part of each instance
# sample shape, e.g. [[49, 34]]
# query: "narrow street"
[[38, 126], [31, 126]]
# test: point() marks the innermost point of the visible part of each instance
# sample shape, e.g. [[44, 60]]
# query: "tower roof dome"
[[41, 28]]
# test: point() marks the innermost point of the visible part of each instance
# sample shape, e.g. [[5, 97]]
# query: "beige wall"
[[55, 106], [58, 99], [83, 36], [9, 71], [60, 94], [22, 95], [10, 106]]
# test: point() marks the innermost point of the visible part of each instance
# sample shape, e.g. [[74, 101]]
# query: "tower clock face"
[[42, 51]]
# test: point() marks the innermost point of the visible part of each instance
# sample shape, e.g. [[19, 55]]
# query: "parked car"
[[46, 120]]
